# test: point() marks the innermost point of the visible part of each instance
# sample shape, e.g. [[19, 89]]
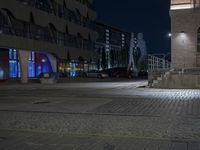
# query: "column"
[[23, 59], [53, 62]]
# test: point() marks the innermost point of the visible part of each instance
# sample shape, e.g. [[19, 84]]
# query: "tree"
[[112, 59], [103, 59], [68, 57], [125, 54], [98, 64], [81, 63], [81, 59]]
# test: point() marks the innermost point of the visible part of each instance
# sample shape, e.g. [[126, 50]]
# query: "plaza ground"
[[100, 114]]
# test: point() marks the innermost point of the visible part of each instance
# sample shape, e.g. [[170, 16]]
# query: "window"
[[14, 66], [31, 65]]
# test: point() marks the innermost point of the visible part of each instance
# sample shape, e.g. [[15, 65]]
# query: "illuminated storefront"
[[14, 66], [75, 69], [10, 64]]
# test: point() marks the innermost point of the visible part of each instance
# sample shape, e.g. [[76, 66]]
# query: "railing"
[[43, 34], [156, 63]]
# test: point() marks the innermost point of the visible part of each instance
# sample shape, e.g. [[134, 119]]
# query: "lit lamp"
[[183, 36], [43, 60], [169, 35]]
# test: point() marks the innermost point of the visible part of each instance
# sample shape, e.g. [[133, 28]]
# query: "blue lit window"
[[31, 65], [14, 54], [43, 64], [72, 73], [1, 74], [14, 67], [10, 54]]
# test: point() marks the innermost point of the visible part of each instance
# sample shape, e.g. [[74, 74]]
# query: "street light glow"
[[169, 35]]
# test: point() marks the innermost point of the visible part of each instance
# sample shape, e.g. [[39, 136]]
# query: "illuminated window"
[[31, 65], [184, 4], [14, 67], [42, 64]]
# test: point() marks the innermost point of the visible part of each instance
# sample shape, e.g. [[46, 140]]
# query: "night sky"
[[150, 17]]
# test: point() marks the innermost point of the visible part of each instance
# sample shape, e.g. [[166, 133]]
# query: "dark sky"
[[150, 17]]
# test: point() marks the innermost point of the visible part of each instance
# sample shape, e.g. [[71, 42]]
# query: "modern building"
[[39, 36], [113, 44]]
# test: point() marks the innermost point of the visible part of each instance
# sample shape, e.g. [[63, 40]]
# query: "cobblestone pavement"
[[18, 140], [151, 106], [118, 109]]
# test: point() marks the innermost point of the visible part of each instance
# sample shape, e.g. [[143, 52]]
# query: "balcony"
[[184, 4], [35, 32]]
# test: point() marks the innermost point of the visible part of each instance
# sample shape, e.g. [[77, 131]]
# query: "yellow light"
[[183, 6]]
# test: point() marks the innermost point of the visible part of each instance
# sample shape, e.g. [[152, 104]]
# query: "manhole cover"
[[41, 102]]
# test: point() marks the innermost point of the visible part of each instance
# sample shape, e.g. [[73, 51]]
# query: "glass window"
[[10, 53], [14, 54], [31, 70], [13, 66]]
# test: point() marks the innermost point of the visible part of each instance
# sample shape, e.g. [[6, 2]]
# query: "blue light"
[[39, 70], [73, 74], [31, 69], [1, 74], [13, 69]]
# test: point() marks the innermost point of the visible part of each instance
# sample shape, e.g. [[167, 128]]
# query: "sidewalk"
[[19, 140]]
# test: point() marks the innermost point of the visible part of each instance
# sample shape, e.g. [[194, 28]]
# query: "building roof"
[[112, 27]]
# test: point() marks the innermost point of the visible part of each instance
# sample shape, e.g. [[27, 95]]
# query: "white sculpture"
[[131, 65], [136, 58], [141, 44]]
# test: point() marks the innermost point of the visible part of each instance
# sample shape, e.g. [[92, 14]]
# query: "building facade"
[[185, 26], [39, 36], [185, 48], [112, 45]]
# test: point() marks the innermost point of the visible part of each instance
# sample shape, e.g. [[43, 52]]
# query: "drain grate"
[[41, 102]]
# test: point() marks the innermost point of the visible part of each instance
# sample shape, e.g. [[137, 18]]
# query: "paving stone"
[[105, 109]]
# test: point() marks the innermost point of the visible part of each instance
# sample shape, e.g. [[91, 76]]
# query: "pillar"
[[23, 59], [53, 62]]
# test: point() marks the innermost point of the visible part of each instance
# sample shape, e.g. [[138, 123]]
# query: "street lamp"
[[169, 35]]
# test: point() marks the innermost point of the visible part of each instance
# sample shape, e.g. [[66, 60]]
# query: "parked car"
[[123, 73], [110, 71], [97, 74], [143, 73]]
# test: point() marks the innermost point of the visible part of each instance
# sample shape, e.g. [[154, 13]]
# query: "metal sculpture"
[[131, 65], [141, 44]]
